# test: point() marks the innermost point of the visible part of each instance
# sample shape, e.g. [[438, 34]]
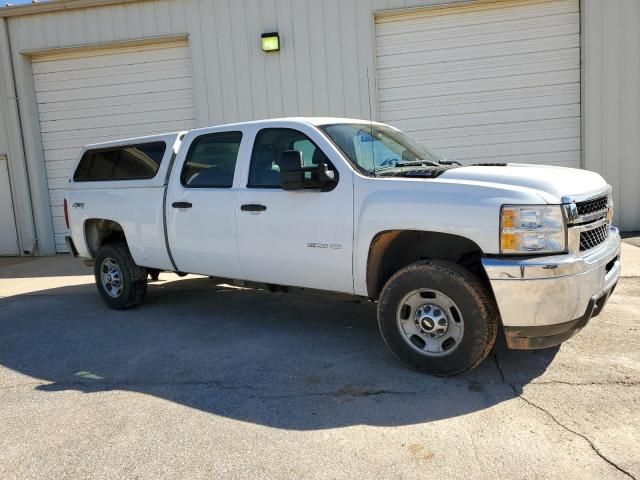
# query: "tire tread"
[[475, 287], [136, 277]]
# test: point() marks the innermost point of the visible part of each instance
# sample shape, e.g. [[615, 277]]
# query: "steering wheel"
[[391, 161]]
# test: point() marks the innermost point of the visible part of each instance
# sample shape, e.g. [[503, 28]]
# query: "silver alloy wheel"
[[111, 278], [430, 322]]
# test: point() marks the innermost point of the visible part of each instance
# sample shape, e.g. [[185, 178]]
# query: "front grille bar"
[[593, 206], [585, 211]]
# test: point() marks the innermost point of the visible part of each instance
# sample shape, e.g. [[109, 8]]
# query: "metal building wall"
[[11, 146], [327, 48], [611, 100]]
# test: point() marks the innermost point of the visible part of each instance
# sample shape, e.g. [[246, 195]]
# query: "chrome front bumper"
[[546, 300]]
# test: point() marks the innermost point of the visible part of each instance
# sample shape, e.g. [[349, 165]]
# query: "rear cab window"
[[126, 162]]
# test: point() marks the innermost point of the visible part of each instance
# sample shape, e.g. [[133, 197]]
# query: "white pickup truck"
[[452, 254]]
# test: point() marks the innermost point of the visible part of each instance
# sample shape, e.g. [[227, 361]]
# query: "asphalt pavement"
[[214, 381]]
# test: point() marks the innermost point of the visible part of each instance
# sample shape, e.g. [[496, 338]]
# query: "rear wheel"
[[437, 317], [121, 283]]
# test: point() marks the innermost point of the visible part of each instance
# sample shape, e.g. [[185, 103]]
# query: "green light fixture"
[[271, 42]]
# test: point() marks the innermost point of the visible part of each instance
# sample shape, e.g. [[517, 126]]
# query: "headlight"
[[532, 229]]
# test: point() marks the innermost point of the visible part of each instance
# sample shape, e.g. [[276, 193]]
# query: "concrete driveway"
[[208, 381]]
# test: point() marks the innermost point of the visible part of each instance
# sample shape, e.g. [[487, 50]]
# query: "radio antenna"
[[373, 160]]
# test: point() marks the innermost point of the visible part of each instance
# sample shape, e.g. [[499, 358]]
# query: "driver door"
[[299, 238]]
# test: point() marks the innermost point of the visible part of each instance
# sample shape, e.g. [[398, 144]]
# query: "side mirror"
[[291, 172]]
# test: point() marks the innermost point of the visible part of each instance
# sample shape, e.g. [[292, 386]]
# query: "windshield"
[[378, 147]]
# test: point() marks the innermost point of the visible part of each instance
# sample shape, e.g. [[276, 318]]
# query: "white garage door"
[[102, 95], [493, 82]]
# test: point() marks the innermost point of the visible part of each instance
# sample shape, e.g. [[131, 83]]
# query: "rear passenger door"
[[201, 204]]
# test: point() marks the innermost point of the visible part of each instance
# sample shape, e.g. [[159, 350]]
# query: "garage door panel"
[[91, 97], [451, 30], [399, 107], [58, 183], [403, 59], [496, 131], [489, 72], [80, 138], [484, 14], [483, 38], [125, 119], [97, 112], [450, 66], [487, 82], [55, 155], [119, 79], [116, 89], [57, 196], [89, 74], [107, 58], [558, 159], [122, 100], [61, 246], [67, 163], [506, 137], [58, 223], [515, 148], [489, 118], [485, 107], [561, 77], [59, 169]]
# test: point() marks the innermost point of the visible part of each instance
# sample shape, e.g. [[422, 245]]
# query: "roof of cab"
[[315, 121]]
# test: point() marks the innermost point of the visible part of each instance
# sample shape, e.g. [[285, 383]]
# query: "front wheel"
[[121, 283], [437, 317]]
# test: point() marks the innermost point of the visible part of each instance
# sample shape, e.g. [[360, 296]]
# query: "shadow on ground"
[[288, 361]]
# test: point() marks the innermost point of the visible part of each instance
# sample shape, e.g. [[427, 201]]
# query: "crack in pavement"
[[584, 437], [559, 423]]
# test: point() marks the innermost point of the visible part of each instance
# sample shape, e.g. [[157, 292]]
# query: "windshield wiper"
[[415, 163]]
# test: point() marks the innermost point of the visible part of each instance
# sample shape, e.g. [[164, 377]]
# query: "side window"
[[211, 161], [129, 162], [269, 145]]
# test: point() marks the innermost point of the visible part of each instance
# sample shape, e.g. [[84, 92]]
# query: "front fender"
[[468, 210]]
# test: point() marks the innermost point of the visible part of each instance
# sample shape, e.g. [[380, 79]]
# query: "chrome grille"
[[591, 206], [593, 238]]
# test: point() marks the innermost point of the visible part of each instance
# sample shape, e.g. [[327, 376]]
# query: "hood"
[[551, 183]]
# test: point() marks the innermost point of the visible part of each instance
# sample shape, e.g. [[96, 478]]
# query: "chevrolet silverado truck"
[[453, 255]]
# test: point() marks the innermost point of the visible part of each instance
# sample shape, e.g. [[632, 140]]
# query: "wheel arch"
[[100, 231], [391, 250]]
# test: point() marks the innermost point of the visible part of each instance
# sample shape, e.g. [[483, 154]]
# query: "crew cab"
[[452, 254]]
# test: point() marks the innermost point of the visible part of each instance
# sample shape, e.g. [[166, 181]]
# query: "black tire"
[[470, 296], [132, 278]]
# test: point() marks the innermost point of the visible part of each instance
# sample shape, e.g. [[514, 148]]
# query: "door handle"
[[181, 205], [253, 207]]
